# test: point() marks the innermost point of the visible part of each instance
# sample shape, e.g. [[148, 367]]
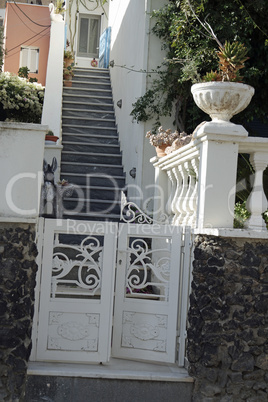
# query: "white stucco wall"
[[132, 46]]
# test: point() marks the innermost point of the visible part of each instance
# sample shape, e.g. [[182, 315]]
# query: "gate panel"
[[147, 286], [76, 299]]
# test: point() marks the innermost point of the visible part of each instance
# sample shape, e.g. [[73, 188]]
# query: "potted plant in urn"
[[222, 94]]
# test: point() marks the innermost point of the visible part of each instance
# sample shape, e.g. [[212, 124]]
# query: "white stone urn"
[[222, 100]]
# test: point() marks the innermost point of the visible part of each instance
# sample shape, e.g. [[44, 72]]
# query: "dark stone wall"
[[17, 281], [228, 320]]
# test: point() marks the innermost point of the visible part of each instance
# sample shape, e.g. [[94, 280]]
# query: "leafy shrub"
[[20, 100]]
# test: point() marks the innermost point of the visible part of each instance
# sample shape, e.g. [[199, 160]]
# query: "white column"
[[53, 91], [217, 176]]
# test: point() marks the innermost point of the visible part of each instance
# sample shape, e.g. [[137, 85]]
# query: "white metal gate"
[[147, 284], [77, 292]]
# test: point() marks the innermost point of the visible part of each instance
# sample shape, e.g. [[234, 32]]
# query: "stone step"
[[116, 381], [90, 138], [90, 83], [83, 76], [73, 90], [89, 122], [88, 168], [96, 72], [84, 206], [74, 97], [96, 107], [99, 180], [91, 157], [83, 129], [90, 147], [88, 113], [97, 193], [92, 216]]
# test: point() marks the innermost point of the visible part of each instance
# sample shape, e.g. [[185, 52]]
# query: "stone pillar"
[[227, 344], [17, 281], [217, 173]]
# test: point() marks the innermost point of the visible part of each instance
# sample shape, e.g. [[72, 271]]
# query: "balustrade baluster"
[[170, 209], [193, 198], [184, 187], [257, 201], [176, 194], [186, 201]]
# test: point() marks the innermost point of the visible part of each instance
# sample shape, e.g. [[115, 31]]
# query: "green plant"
[[190, 54], [241, 215], [68, 55], [232, 57], [50, 132], [24, 73], [21, 100], [59, 7]]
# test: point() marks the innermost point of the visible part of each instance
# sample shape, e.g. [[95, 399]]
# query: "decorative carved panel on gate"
[[144, 331], [73, 331]]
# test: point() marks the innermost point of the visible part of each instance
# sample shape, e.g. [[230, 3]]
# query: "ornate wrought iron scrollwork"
[[131, 213], [84, 271], [146, 271]]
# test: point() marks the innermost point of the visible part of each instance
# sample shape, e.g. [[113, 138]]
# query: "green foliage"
[[241, 214], [68, 54], [23, 72], [232, 58], [20, 100], [191, 53]]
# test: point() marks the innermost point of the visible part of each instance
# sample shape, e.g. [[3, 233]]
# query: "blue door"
[[104, 50]]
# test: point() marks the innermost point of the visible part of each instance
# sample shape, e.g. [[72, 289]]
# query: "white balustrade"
[[202, 178]]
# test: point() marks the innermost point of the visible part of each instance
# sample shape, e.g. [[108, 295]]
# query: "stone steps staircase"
[[91, 157]]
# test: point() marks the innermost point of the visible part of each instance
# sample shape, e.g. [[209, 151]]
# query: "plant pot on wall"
[[51, 139], [67, 80]]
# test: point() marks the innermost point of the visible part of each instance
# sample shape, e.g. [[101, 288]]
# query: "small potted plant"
[[222, 94], [162, 140], [68, 58], [68, 73], [51, 138]]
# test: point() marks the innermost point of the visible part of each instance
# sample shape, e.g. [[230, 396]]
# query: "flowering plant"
[[164, 137], [21, 100]]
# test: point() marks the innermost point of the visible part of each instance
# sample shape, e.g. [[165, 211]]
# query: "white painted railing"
[[199, 180]]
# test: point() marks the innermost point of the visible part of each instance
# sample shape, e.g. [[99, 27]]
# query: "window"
[[89, 35], [29, 57]]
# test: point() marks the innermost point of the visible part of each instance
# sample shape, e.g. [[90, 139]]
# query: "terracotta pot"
[[68, 62], [67, 83], [161, 150], [52, 138]]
